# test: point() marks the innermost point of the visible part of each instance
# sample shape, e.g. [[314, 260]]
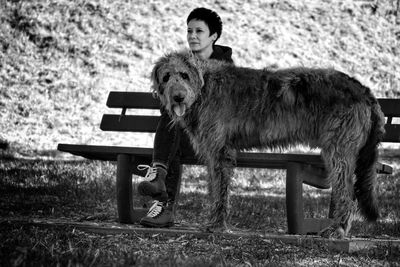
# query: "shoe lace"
[[151, 171], [156, 209]]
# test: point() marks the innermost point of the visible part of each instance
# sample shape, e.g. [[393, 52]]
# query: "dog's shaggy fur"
[[225, 108]]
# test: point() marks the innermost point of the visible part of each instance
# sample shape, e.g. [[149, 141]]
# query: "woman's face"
[[198, 36]]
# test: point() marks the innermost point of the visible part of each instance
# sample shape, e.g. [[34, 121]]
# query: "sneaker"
[[156, 186], [159, 215]]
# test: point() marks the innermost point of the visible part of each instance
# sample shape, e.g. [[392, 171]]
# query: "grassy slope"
[[59, 59]]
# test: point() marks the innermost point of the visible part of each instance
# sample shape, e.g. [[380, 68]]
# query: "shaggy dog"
[[224, 108]]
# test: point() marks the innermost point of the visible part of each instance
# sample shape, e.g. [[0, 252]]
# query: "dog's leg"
[[220, 170], [342, 137], [340, 167]]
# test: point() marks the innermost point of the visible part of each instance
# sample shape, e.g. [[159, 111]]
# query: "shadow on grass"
[[86, 189], [56, 188]]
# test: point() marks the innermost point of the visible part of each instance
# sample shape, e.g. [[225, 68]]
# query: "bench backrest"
[[148, 123]]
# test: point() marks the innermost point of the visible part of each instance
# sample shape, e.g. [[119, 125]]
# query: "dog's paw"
[[215, 228], [333, 232]]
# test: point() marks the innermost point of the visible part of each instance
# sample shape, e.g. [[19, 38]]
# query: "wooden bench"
[[301, 168]]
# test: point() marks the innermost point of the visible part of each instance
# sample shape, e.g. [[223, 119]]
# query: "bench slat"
[[138, 123], [390, 107], [138, 100], [145, 100], [392, 133], [244, 159], [129, 123]]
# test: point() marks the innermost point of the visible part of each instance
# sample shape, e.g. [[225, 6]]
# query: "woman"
[[204, 27]]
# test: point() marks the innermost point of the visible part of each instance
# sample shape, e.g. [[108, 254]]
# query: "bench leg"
[[178, 189], [331, 207], [294, 199], [126, 212]]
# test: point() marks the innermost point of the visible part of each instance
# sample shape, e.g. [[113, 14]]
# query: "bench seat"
[[244, 160]]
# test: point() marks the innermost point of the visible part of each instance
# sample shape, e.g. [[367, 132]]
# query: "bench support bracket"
[[296, 174]]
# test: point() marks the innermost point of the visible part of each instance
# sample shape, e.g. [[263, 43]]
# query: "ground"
[[84, 192]]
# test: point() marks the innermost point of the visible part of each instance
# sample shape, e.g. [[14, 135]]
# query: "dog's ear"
[[155, 79], [198, 65]]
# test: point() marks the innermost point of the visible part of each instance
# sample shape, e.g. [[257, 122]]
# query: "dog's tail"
[[365, 184]]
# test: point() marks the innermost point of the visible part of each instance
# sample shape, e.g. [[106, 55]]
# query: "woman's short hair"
[[211, 18]]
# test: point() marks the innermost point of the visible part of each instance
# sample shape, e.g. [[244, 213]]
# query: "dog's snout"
[[179, 98]]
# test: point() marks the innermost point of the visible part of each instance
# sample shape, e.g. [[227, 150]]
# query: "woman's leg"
[[166, 144]]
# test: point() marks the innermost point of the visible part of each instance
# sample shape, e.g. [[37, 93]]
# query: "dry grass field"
[[59, 58]]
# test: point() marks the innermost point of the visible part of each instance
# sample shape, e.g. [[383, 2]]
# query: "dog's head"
[[177, 80]]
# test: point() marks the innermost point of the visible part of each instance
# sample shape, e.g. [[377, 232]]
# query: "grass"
[[85, 191]]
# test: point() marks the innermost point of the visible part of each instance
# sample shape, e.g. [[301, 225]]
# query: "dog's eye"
[[184, 75], [166, 78]]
